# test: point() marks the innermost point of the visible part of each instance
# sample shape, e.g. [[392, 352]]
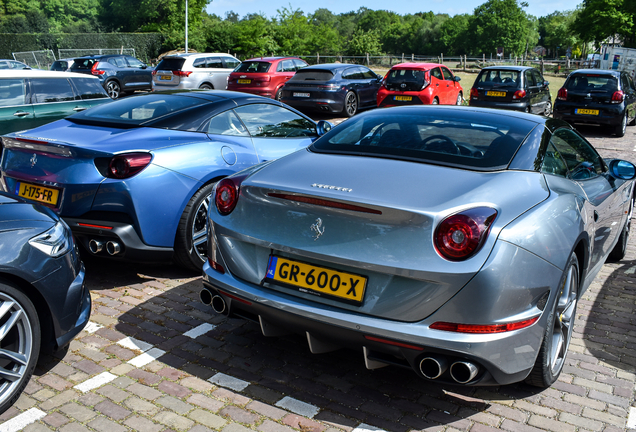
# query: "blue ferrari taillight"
[[127, 165]]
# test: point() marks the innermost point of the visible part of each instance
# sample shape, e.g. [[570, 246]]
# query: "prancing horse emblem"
[[317, 228], [33, 160]]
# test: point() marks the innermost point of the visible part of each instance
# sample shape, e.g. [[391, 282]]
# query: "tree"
[[500, 23], [454, 35], [255, 36], [602, 19], [556, 30], [365, 43]]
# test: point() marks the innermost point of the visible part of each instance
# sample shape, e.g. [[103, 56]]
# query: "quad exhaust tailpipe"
[[463, 371], [113, 248], [95, 246], [433, 367]]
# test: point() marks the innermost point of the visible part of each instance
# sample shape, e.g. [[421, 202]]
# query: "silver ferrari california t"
[[453, 241]]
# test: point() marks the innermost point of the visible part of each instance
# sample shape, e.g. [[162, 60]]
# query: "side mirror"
[[622, 169], [144, 66], [456, 78], [546, 83], [322, 127]]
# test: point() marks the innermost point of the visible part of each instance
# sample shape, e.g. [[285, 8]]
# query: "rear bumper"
[[610, 115], [503, 358], [132, 248], [265, 92], [515, 106]]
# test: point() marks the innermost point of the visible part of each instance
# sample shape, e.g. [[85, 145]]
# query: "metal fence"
[[70, 53], [36, 59], [456, 63]]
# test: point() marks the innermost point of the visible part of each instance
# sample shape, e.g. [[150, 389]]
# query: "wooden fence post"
[[442, 57], [412, 57], [317, 58], [402, 57], [367, 59]]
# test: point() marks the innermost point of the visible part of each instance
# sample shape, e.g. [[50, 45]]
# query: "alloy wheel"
[[200, 229], [351, 104], [113, 89], [16, 345], [563, 322]]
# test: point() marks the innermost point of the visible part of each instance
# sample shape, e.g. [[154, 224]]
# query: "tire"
[[279, 94], [435, 101], [619, 130], [460, 99], [22, 340], [633, 122], [558, 332], [351, 104], [191, 243], [113, 89], [619, 251], [205, 87], [548, 109]]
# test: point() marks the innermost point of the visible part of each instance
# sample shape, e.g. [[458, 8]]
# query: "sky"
[[269, 8]]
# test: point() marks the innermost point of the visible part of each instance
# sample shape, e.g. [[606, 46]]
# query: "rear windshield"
[[312, 75], [170, 64], [592, 83], [405, 79], [253, 66], [481, 141], [83, 64], [137, 110], [499, 78]]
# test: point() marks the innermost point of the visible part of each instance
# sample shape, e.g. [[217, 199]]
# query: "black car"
[[518, 88], [597, 96], [43, 300], [332, 88], [119, 74]]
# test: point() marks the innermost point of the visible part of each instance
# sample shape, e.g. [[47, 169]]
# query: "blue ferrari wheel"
[[191, 244]]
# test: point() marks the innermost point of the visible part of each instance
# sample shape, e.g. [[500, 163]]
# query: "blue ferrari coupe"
[[133, 178]]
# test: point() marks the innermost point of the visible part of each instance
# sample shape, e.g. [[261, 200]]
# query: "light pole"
[[186, 28]]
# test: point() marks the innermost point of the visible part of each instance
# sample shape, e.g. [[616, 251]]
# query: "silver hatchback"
[[194, 71]]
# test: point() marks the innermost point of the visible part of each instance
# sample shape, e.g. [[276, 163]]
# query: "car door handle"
[[77, 109], [595, 216], [21, 114]]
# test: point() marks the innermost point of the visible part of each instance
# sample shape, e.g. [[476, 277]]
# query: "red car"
[[264, 76], [420, 84]]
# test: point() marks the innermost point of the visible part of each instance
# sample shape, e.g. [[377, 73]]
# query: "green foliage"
[[365, 43], [500, 23], [602, 19]]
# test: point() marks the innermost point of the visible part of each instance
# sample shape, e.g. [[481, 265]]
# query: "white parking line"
[[134, 344], [367, 428], [631, 419], [199, 330], [228, 381], [21, 421], [96, 381], [92, 327], [147, 357], [298, 407]]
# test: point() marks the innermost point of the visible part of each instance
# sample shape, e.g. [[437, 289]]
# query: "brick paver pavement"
[[150, 361]]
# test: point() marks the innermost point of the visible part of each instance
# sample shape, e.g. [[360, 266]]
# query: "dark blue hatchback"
[[119, 74], [333, 88]]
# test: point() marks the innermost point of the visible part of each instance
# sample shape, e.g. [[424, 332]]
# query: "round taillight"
[[459, 236], [127, 165], [226, 196], [519, 94]]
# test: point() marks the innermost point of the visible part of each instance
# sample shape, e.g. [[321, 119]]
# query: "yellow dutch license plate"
[[37, 193], [165, 77], [321, 281], [403, 98], [496, 93], [586, 111], [244, 81]]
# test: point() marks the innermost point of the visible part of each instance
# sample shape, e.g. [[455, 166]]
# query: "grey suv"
[[119, 74]]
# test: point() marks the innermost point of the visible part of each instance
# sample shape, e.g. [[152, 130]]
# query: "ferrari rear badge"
[[317, 228]]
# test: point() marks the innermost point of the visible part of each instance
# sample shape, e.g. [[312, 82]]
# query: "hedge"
[[147, 46]]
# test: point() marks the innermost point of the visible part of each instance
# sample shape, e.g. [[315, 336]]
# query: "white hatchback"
[[194, 71]]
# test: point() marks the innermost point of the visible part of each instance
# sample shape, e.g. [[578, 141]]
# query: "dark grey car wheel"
[[460, 99], [279, 94], [113, 89], [191, 244], [19, 343], [619, 251], [619, 130], [351, 104], [205, 86], [558, 332], [548, 109]]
